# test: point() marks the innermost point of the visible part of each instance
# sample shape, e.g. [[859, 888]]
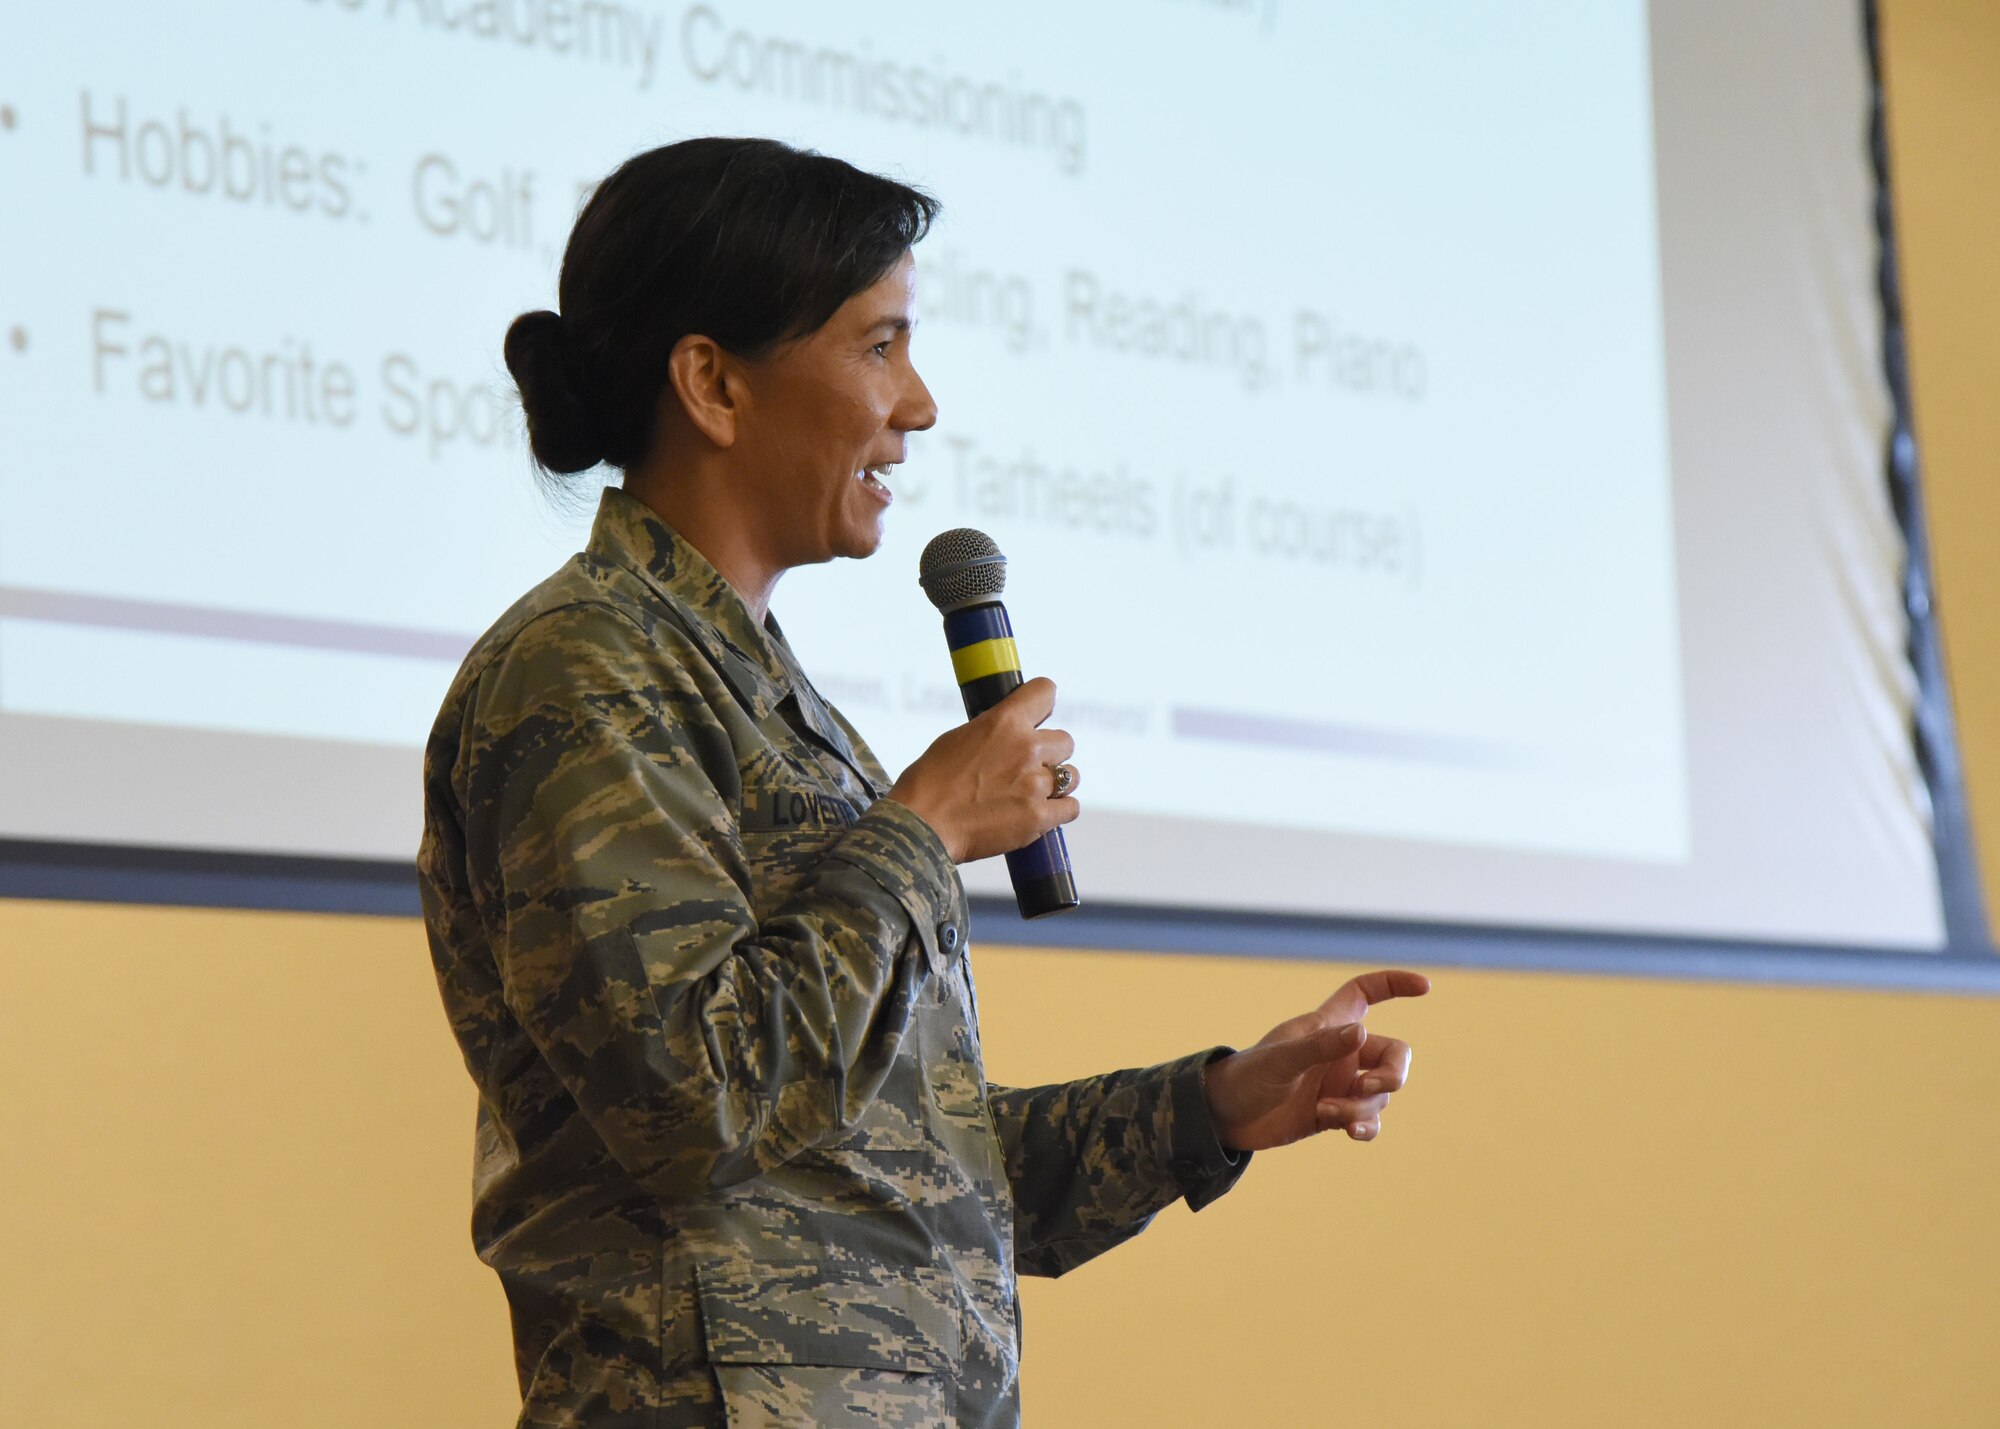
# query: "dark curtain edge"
[[1934, 731]]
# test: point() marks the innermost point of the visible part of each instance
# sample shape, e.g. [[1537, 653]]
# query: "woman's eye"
[[882, 349]]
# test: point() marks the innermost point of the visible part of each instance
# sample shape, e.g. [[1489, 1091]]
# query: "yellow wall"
[[234, 1147], [237, 1147]]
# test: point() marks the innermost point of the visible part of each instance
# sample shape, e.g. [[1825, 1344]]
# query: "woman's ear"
[[710, 387]]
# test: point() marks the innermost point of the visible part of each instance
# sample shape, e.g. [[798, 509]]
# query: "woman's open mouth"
[[872, 478]]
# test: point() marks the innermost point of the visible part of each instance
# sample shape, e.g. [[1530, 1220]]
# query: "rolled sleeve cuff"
[[893, 845], [1202, 1166]]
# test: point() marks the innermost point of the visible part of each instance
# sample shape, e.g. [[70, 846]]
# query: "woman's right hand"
[[987, 786]]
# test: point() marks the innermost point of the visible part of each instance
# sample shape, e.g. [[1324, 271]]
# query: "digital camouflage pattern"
[[737, 1160]]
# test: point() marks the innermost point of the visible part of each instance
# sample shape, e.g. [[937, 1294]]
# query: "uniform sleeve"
[[1092, 1161], [599, 795]]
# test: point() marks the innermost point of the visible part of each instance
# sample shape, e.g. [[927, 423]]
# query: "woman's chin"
[[864, 543], [861, 535]]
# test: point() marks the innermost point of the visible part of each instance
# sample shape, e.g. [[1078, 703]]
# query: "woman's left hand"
[[1315, 1072]]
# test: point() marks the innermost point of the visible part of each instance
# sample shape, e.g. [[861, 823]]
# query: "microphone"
[[963, 573]]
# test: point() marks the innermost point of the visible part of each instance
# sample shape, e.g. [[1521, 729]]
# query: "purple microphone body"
[[963, 573]]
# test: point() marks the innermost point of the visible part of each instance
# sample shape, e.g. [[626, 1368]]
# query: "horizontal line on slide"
[[217, 623], [1272, 732]]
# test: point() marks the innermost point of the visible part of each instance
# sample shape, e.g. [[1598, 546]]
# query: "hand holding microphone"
[[988, 786], [1001, 783]]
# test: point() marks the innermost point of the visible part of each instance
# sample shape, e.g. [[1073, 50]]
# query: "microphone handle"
[[988, 667]]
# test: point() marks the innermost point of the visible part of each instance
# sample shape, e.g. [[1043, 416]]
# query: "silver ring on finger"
[[1065, 779]]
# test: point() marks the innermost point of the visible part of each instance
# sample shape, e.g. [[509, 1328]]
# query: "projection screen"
[[1439, 449]]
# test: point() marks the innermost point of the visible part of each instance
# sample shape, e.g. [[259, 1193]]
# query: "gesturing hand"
[[1314, 1072]]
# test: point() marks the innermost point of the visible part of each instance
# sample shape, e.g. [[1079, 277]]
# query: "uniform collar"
[[628, 533]]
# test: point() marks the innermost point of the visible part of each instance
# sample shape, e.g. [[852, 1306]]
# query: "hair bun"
[[562, 430]]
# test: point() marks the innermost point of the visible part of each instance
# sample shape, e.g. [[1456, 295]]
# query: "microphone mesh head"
[[961, 567]]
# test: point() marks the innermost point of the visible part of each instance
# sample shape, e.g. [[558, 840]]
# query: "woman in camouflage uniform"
[[738, 1161]]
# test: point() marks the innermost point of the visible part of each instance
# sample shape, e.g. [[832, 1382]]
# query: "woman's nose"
[[917, 412]]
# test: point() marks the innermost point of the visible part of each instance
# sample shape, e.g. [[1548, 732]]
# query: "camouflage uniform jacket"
[[735, 1148]]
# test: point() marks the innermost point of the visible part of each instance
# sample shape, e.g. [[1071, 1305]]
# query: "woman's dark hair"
[[747, 241]]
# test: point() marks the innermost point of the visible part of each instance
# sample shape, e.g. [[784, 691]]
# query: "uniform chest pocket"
[[785, 830], [812, 1342]]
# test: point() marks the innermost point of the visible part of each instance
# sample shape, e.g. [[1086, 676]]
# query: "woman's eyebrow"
[[894, 322]]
